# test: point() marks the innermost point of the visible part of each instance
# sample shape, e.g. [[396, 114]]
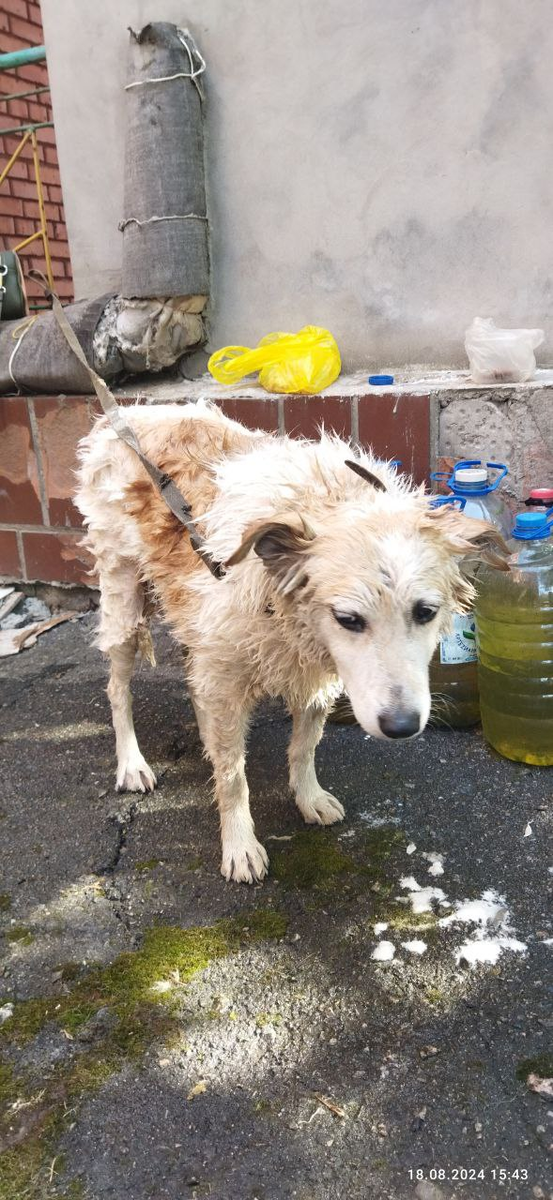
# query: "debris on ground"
[[13, 639], [544, 1087]]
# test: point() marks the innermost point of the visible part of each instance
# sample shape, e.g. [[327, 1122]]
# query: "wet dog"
[[338, 573]]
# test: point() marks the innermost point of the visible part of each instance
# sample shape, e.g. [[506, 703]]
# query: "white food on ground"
[[416, 946], [384, 952]]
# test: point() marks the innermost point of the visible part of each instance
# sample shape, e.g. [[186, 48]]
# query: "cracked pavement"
[[326, 1074]]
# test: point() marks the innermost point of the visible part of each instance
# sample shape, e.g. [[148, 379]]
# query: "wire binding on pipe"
[[151, 220], [191, 74], [27, 324]]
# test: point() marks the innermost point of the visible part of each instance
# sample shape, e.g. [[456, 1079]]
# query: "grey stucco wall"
[[379, 168]]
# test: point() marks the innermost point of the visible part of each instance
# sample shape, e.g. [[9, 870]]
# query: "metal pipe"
[[14, 156], [24, 95], [26, 128], [20, 58], [43, 226]]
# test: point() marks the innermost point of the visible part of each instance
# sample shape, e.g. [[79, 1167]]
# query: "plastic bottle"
[[540, 498], [514, 615], [453, 669]]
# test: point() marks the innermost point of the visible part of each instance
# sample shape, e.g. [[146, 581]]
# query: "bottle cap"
[[531, 525], [471, 475], [541, 495], [377, 380]]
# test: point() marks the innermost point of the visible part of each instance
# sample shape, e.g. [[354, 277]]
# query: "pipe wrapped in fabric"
[[165, 236], [34, 355]]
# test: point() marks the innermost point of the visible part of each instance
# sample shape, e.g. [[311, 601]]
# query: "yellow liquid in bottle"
[[454, 692], [514, 615]]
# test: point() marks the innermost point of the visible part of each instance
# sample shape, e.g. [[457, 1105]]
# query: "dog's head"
[[377, 587]]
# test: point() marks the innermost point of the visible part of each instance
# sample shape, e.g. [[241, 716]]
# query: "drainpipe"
[[20, 58]]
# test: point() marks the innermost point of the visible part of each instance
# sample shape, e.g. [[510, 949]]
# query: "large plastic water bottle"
[[453, 670], [514, 616]]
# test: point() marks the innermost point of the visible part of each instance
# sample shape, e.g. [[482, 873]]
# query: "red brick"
[[40, 111], [65, 289], [7, 226], [254, 413], [51, 155], [304, 415], [19, 491], [12, 207], [9, 42], [18, 8], [34, 14], [61, 424], [24, 227], [19, 109], [54, 193], [32, 73], [3, 22], [23, 29], [10, 566], [28, 191], [56, 558], [398, 427], [50, 175], [47, 136], [19, 173], [31, 210]]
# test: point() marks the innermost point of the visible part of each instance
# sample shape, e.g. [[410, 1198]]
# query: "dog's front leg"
[[316, 806], [224, 736]]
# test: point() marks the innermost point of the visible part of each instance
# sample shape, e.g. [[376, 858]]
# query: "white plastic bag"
[[501, 355]]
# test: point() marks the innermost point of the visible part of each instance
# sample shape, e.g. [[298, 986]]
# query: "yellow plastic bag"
[[304, 362]]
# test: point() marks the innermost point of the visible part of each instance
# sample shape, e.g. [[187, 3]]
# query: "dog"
[[339, 573]]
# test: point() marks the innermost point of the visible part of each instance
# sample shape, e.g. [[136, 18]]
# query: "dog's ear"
[[282, 543], [469, 537]]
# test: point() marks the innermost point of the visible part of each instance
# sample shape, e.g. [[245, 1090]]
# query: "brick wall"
[[20, 28], [39, 525]]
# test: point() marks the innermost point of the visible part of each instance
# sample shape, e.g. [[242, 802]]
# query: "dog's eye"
[[351, 621], [423, 613]]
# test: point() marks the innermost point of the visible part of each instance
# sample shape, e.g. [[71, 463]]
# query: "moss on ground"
[[131, 1013], [148, 864], [314, 859], [5, 902], [20, 934]]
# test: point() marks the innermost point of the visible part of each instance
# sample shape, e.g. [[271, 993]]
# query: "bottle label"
[[459, 646]]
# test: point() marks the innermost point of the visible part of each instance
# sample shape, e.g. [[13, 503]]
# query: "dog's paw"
[[322, 808], [245, 861], [134, 775]]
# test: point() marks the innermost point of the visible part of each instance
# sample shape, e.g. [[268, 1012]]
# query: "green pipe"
[[20, 58], [23, 128]]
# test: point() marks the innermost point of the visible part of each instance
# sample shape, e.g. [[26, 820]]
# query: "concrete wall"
[[380, 168]]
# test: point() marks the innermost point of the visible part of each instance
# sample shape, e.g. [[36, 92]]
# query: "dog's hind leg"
[[223, 733], [317, 807], [123, 631]]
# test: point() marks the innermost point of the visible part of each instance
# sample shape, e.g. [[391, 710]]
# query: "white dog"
[[332, 578]]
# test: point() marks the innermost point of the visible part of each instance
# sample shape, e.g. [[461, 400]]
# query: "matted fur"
[[307, 540]]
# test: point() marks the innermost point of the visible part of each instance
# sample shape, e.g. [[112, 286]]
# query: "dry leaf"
[[197, 1090], [333, 1108]]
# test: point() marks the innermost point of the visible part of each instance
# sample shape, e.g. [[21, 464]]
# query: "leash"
[[166, 486]]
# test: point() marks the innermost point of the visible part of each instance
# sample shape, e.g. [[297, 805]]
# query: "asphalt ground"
[[176, 1036]]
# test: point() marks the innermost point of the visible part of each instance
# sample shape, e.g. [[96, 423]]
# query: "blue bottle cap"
[[531, 525], [377, 380]]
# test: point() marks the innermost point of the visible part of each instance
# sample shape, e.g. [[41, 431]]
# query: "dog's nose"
[[399, 724]]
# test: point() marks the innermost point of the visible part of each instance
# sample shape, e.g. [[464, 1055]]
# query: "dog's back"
[[131, 534]]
